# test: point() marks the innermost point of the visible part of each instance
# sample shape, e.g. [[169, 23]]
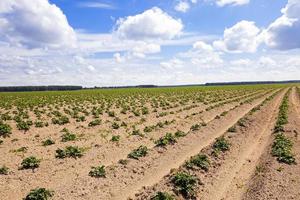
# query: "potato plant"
[[39, 194]]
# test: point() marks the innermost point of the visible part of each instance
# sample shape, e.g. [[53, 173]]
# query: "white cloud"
[[151, 24], [284, 32], [200, 45], [91, 68], [95, 4], [231, 2], [265, 61], [242, 37], [34, 24], [172, 64], [182, 6]]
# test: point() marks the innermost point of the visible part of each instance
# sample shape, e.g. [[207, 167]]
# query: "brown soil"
[[278, 180]]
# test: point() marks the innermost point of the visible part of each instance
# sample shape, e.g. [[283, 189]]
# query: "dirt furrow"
[[229, 180], [278, 180], [125, 181]]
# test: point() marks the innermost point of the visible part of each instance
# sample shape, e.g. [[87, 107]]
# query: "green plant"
[[185, 184], [4, 170], [115, 125], [162, 196], [67, 136], [22, 125], [61, 120], [141, 151], [30, 163], [123, 161], [282, 149], [111, 113], [95, 122], [180, 134], [39, 124], [115, 138], [48, 142], [232, 129], [169, 138], [39, 194], [201, 161], [221, 144], [195, 127], [69, 152], [98, 172], [5, 130]]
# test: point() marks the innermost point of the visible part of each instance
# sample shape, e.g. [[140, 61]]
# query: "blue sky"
[[128, 42]]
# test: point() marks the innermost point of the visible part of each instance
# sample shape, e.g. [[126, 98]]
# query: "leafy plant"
[[69, 152], [39, 194], [67, 136], [169, 138], [95, 122], [201, 161], [195, 127], [141, 151], [185, 184], [48, 142], [282, 149], [232, 129], [98, 172], [22, 125], [115, 138], [5, 130], [4, 170], [30, 163], [115, 125], [180, 134], [220, 145], [162, 196]]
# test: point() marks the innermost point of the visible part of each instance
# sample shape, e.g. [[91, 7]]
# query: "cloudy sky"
[[129, 42]]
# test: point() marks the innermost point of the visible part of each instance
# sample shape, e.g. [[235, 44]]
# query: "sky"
[[134, 42]]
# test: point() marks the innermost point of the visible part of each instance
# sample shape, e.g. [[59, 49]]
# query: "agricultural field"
[[210, 143]]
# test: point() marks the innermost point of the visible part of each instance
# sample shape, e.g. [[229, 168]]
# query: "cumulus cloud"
[[182, 6], [231, 2], [172, 64], [139, 51], [34, 24], [151, 24], [284, 32], [242, 37]]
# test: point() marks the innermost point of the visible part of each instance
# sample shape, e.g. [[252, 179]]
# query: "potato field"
[[206, 143]]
